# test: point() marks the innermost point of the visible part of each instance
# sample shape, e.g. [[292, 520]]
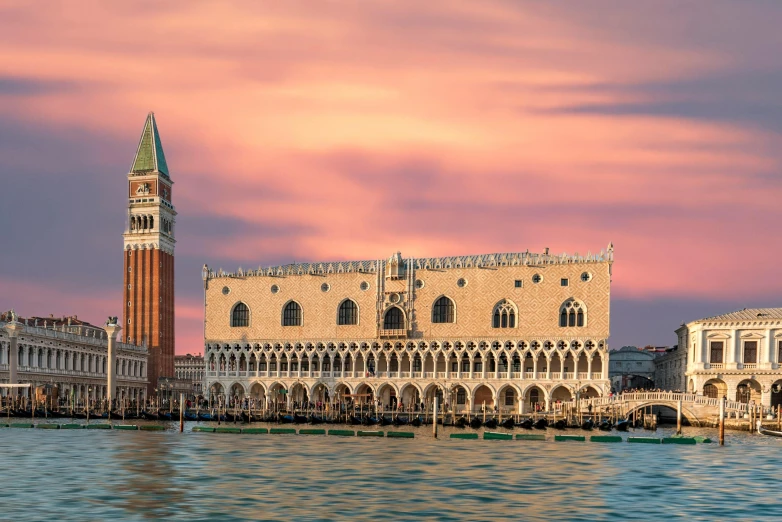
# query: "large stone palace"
[[514, 331], [737, 355], [71, 356]]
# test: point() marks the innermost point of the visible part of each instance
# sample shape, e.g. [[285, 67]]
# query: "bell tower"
[[148, 307]]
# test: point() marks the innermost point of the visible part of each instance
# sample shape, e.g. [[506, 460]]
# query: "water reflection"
[[97, 475]]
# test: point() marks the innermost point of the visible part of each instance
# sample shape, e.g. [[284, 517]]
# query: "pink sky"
[[349, 130]]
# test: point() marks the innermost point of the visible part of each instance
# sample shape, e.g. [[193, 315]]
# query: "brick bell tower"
[[148, 308]]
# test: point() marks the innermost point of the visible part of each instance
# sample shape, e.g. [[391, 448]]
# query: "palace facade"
[[737, 355], [516, 331], [71, 355]]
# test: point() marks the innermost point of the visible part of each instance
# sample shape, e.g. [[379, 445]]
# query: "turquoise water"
[[134, 475]]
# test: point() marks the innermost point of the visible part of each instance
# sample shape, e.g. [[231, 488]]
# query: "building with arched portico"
[[735, 355], [511, 331]]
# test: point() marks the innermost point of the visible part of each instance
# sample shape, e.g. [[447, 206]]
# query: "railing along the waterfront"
[[666, 397]]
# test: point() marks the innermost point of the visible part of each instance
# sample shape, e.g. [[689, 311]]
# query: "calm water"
[[100, 475]]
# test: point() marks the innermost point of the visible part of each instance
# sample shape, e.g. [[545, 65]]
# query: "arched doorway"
[[216, 393], [320, 395], [534, 399], [298, 396], [748, 390], [588, 392], [258, 394], [561, 395], [776, 394], [483, 397], [715, 389], [459, 398]]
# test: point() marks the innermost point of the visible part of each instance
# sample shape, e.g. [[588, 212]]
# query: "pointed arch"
[[347, 312], [572, 314], [394, 319], [292, 314], [444, 310], [505, 314], [240, 315]]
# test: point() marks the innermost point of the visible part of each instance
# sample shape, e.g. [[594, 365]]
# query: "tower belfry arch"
[[148, 304]]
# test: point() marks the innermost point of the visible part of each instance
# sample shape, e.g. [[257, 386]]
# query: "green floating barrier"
[[255, 430], [21, 425], [644, 440], [283, 431], [471, 436], [401, 434], [493, 435], [370, 433], [3, 425], [98, 426], [126, 427], [576, 438], [312, 431], [530, 436], [48, 426], [342, 433], [152, 427], [605, 438], [203, 429], [226, 429], [72, 426], [679, 440], [702, 439]]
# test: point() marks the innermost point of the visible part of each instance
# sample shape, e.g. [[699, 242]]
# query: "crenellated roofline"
[[425, 263]]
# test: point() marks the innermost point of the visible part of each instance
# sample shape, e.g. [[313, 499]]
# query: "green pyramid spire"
[[149, 155]]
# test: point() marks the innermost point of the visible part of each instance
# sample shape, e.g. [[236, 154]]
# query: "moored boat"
[[770, 433]]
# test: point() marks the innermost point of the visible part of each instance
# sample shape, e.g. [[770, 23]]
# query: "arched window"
[[348, 313], [291, 314], [151, 222], [240, 316], [394, 319], [145, 223], [443, 311], [709, 390], [504, 315], [572, 314]]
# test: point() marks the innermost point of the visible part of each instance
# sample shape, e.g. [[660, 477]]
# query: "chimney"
[[546, 250]]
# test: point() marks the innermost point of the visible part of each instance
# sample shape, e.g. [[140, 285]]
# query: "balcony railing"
[[716, 366], [749, 366], [393, 333]]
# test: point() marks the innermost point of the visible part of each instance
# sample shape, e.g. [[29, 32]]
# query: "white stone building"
[[71, 355], [737, 355], [669, 370]]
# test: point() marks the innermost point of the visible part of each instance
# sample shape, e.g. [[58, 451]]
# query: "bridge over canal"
[[697, 409]]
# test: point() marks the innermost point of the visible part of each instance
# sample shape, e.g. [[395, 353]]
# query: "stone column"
[[111, 361], [13, 329]]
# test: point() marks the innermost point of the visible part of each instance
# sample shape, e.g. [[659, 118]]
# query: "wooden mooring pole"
[[181, 412], [722, 422], [434, 418], [679, 417]]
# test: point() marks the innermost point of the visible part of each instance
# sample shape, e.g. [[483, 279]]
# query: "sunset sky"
[[331, 130]]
